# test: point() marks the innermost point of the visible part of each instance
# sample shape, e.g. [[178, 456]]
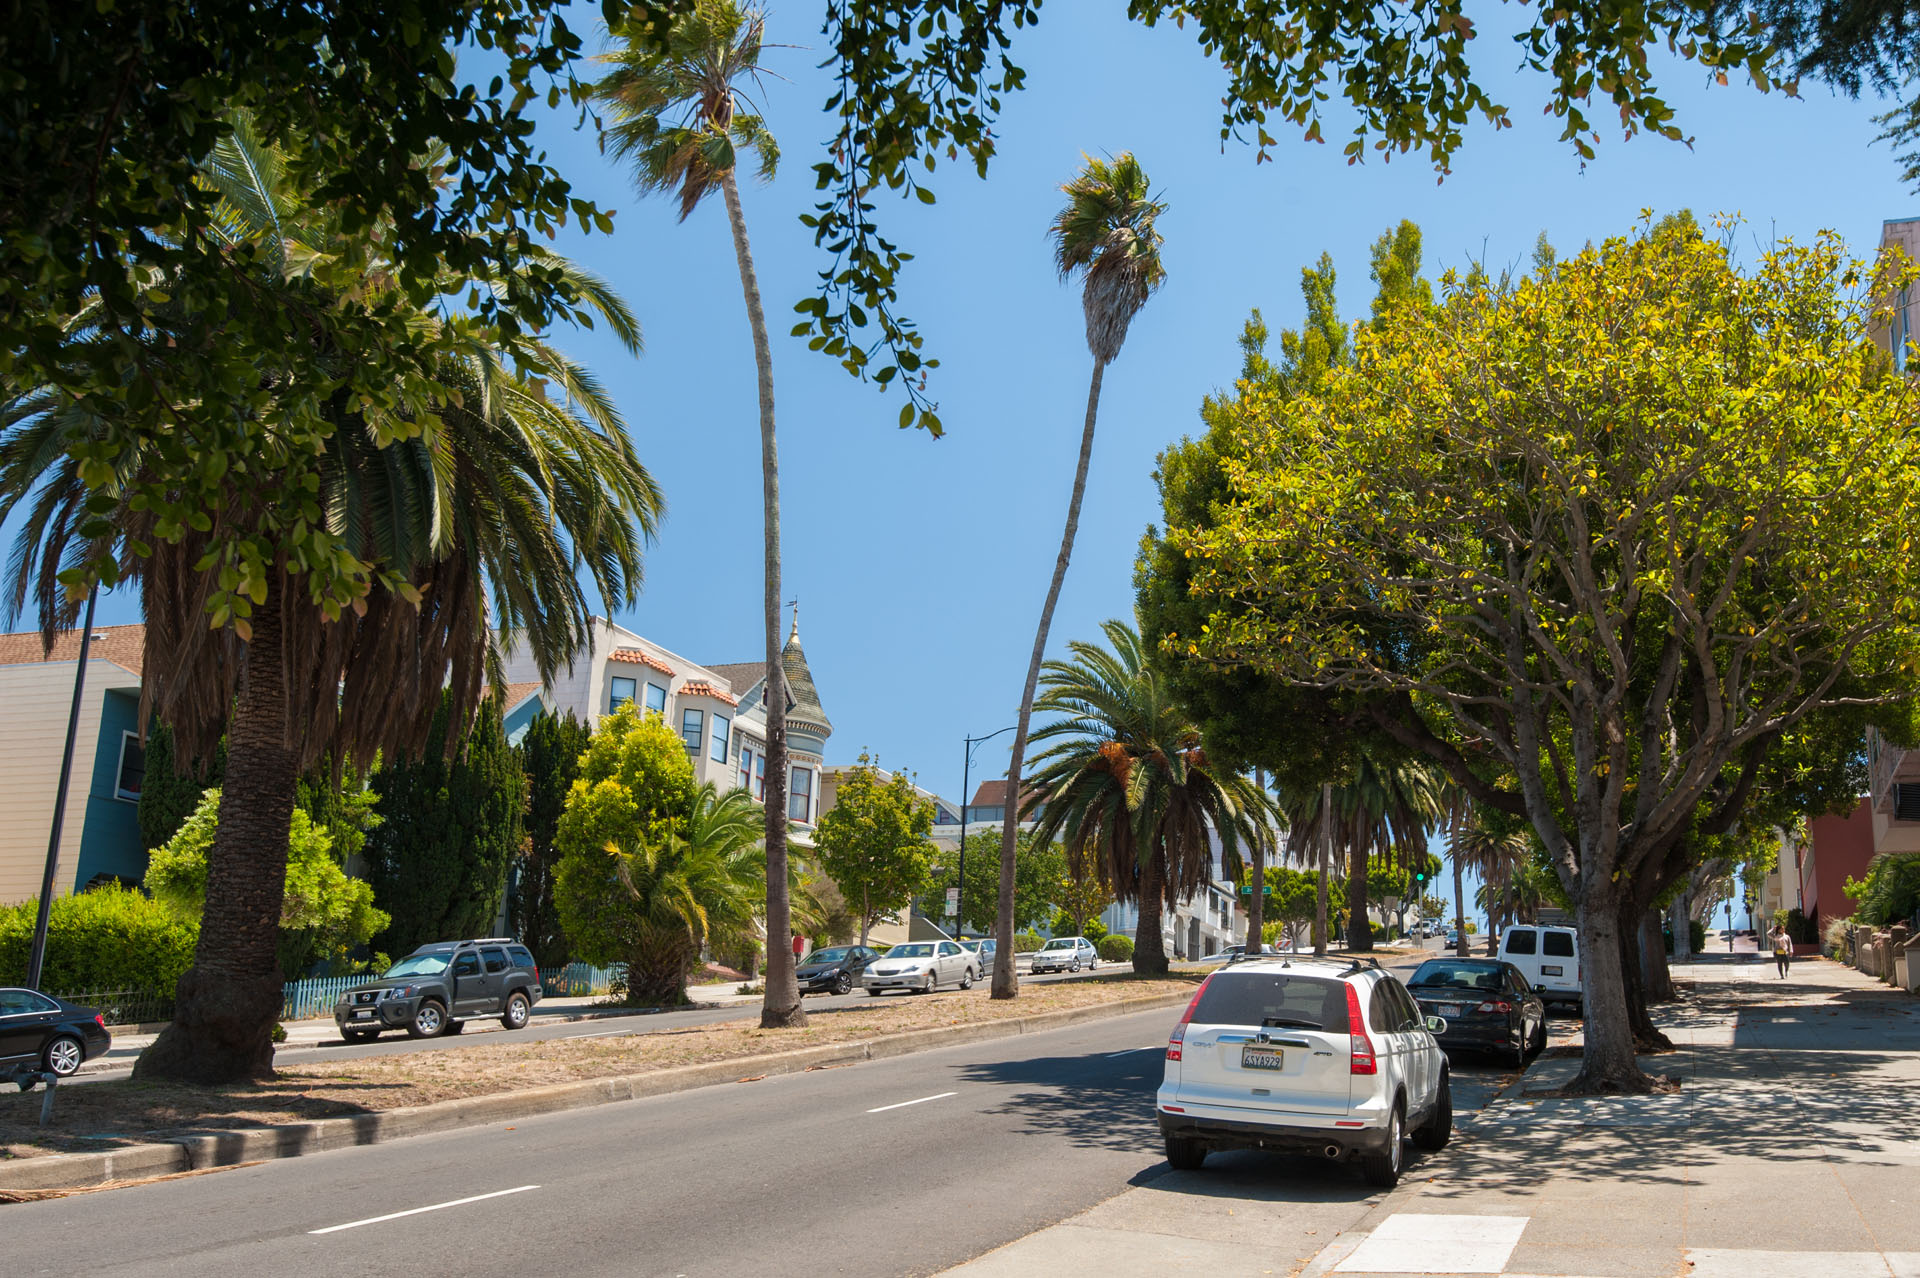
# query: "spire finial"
[[794, 636]]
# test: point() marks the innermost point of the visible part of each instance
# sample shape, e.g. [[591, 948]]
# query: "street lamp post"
[[966, 781], [37, 954]]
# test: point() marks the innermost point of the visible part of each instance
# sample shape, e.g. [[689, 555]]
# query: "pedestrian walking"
[[1782, 948]]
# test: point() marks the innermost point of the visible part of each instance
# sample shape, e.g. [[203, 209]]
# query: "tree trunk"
[[1459, 907], [1149, 938], [1005, 983], [780, 1007], [1359, 926], [658, 966], [866, 915], [1607, 1062], [1325, 852], [228, 1002], [1653, 958], [1257, 878], [1680, 919]]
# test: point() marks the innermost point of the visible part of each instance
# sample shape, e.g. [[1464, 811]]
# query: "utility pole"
[[37, 956]]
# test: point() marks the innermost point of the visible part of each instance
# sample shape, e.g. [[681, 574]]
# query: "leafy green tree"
[[450, 824], [170, 792], [635, 791], [1291, 905], [681, 118], [550, 757], [873, 843], [1038, 873], [342, 803], [476, 515], [1083, 898], [323, 913], [1106, 234], [1126, 785], [1616, 527]]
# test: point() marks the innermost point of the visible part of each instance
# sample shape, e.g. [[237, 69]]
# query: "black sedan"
[[835, 969], [1486, 1005], [42, 1033]]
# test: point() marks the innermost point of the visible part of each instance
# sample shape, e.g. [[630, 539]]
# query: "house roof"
[[517, 693], [124, 646], [992, 794], [640, 657], [740, 675], [806, 697], [701, 688]]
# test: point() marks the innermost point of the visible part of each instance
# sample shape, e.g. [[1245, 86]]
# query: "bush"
[[1891, 891], [1115, 948], [1836, 938], [1026, 942], [112, 938], [1095, 931], [1800, 928], [1697, 935]]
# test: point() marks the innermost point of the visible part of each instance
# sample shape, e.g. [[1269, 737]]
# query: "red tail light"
[[100, 1020], [1494, 1005], [1179, 1035], [1361, 1060]]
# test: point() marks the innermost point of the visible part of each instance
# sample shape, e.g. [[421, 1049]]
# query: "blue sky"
[[920, 564]]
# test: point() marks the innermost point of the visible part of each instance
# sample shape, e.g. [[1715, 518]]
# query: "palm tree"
[[1129, 786], [1106, 235], [681, 117], [698, 888], [1386, 806], [1496, 855], [481, 517]]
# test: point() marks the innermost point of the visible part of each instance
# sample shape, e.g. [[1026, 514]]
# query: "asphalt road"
[[905, 1166]]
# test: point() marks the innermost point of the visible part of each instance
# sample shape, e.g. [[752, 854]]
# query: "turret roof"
[[806, 697]]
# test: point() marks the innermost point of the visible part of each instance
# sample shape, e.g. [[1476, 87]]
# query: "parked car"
[[1486, 1004], [983, 949], [1231, 954], [833, 970], [1066, 954], [436, 988], [1549, 958], [1305, 1056], [40, 1033], [922, 967]]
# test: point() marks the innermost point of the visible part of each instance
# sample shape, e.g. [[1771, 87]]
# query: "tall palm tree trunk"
[[1149, 935], [1359, 926], [1325, 850], [1257, 878], [1459, 907], [781, 1005], [1005, 983], [228, 1002]]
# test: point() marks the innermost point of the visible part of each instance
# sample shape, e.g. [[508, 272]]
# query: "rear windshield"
[[1254, 998], [1557, 944], [1472, 976], [1520, 942]]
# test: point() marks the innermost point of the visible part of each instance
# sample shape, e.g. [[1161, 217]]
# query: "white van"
[[1550, 959]]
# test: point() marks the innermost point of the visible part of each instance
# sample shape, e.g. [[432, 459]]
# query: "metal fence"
[[124, 1007], [577, 980], [303, 1000]]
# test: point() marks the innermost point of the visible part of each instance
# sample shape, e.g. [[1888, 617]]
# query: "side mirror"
[[1436, 1026]]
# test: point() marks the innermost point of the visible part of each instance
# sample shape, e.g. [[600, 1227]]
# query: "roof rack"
[[1361, 962]]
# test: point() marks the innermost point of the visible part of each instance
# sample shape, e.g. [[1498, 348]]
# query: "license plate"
[[1260, 1058], [1549, 969], [1446, 1009], [363, 1016]]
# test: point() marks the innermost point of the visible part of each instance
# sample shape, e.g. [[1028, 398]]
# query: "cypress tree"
[[550, 756], [448, 828], [169, 793]]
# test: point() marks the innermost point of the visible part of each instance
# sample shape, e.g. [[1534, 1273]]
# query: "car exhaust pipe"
[[1332, 1151]]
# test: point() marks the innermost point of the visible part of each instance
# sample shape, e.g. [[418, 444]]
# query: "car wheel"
[[1074, 966], [1383, 1169], [1185, 1153], [929, 985], [1540, 1037], [1439, 1128], [1093, 965], [1517, 1051], [966, 981], [843, 983], [429, 1020], [518, 1011], [359, 1036], [64, 1056]]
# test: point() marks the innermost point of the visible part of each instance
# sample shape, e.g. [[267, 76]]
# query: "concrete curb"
[[195, 1151]]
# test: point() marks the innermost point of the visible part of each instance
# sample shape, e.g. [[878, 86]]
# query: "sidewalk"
[[1792, 1150]]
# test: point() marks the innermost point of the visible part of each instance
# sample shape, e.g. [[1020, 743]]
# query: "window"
[[657, 700], [760, 777], [1520, 941], [720, 737], [1252, 999], [467, 965], [800, 802], [133, 768], [621, 695], [496, 960], [949, 949], [25, 1003], [746, 768], [521, 956], [1557, 944], [690, 721], [1383, 1013]]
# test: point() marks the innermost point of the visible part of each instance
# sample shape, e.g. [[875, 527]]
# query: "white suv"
[[1310, 1056]]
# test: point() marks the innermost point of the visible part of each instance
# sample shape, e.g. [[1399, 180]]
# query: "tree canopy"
[[873, 842]]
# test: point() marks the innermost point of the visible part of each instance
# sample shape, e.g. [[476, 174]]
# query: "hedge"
[[110, 938], [1026, 942], [1116, 948]]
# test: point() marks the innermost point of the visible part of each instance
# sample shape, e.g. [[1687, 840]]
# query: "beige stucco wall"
[[38, 697]]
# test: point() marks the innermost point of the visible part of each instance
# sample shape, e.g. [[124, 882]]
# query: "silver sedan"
[[922, 967]]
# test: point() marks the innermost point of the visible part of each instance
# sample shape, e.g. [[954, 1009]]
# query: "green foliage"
[[550, 757], [1094, 930], [111, 938], [1116, 948], [345, 807], [873, 842], [1038, 873], [1697, 935], [1082, 899], [449, 827], [1026, 942], [1800, 927], [323, 915], [1891, 891], [168, 797], [635, 789]]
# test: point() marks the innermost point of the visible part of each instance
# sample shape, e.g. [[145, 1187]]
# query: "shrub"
[[1696, 935], [1891, 891], [1026, 942], [112, 938], [1836, 938], [1095, 931], [1115, 948]]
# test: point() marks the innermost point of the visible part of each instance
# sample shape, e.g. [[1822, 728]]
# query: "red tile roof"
[[701, 688], [993, 794], [124, 646], [516, 693], [640, 657]]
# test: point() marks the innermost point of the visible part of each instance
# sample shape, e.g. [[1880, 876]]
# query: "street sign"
[[1246, 889], [953, 899]]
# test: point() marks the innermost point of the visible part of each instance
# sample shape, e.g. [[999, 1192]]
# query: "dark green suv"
[[438, 987]]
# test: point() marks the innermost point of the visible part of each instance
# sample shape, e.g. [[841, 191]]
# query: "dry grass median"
[[101, 1115]]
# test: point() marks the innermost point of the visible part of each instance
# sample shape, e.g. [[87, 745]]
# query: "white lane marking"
[[601, 1034], [458, 1202], [903, 1104], [1150, 1047]]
